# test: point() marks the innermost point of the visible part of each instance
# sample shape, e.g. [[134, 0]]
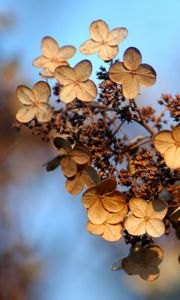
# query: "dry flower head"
[[131, 73], [146, 217], [143, 262], [76, 83], [35, 102], [103, 41], [168, 144], [52, 56], [102, 199]]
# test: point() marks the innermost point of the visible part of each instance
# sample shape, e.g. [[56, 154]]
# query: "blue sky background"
[[77, 264]]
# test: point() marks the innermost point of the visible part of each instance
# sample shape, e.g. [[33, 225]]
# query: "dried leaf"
[[60, 142], [53, 164]]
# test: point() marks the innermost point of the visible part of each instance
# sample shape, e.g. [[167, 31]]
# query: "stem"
[[142, 121], [118, 127]]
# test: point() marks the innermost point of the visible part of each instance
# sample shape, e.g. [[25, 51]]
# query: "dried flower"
[[102, 199], [131, 73], [146, 217], [76, 83], [53, 56], [168, 144], [35, 102], [110, 230], [143, 262], [103, 42]]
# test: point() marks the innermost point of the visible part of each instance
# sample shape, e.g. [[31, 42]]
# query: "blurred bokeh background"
[[45, 251]]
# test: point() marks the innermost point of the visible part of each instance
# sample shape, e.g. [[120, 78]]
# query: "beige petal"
[[75, 185], [53, 65], [90, 47], [135, 226], [117, 72], [43, 113], [176, 133], [96, 213], [68, 165], [156, 209], [65, 53], [130, 86], [89, 197], [163, 140], [154, 255], [114, 218], [155, 227], [107, 52], [26, 113], [49, 47], [41, 91], [45, 73], [106, 186], [80, 155], [99, 30], [149, 273], [83, 70], [132, 58], [95, 229], [41, 62], [113, 202], [172, 157], [138, 207], [116, 36], [65, 75], [25, 95], [146, 75], [87, 91], [68, 93], [112, 233]]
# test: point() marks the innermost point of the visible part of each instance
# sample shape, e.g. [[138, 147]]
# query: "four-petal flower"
[[35, 102], [103, 42], [146, 217], [131, 73], [76, 83], [168, 144], [53, 56], [143, 262]]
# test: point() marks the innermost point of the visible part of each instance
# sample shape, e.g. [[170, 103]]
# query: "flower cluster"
[[84, 125]]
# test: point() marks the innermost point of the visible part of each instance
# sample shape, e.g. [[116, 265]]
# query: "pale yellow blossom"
[[52, 56], [168, 144], [35, 102], [103, 41], [131, 73]]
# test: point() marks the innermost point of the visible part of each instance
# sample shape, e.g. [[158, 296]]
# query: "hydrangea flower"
[[168, 144], [102, 199], [76, 83], [52, 56], [146, 217], [35, 102], [111, 229], [103, 42], [131, 73], [143, 262]]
